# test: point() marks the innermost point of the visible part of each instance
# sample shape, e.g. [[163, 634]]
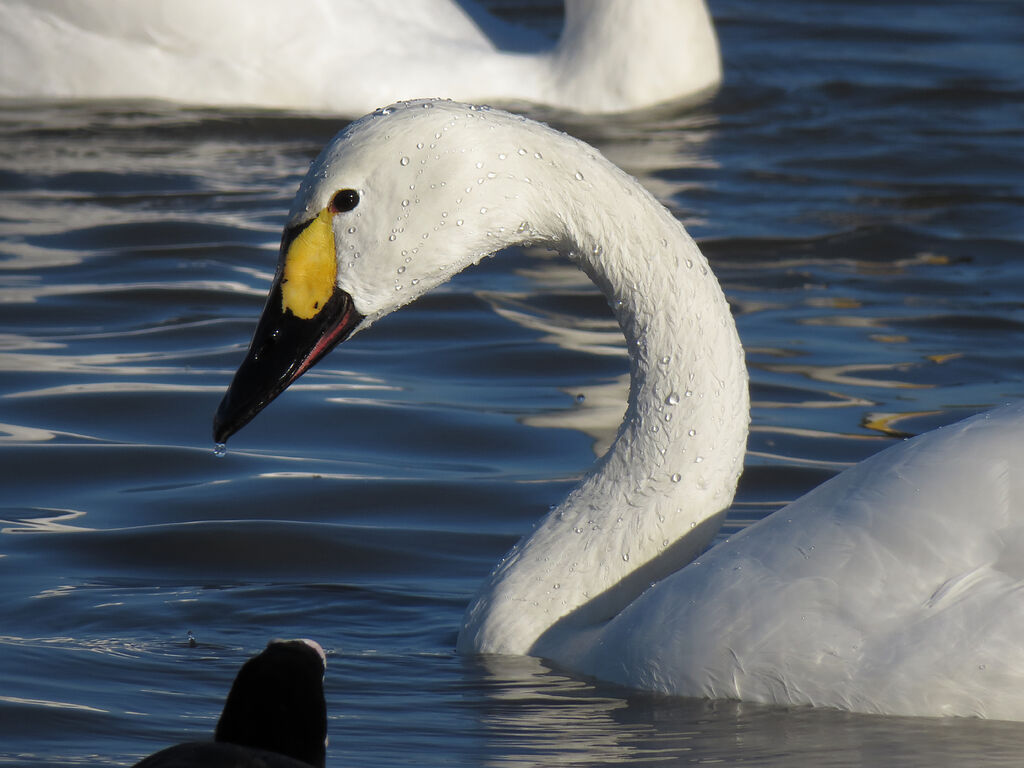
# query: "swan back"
[[892, 588]]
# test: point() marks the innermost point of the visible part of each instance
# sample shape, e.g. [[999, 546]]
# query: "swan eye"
[[344, 200]]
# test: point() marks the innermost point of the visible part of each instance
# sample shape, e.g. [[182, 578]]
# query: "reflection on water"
[[532, 714], [536, 716], [596, 413], [561, 319], [47, 521], [850, 375]]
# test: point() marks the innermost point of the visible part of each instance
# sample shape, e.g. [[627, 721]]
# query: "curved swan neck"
[[654, 500], [495, 180]]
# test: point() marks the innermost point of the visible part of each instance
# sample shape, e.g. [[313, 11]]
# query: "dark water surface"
[[857, 186]]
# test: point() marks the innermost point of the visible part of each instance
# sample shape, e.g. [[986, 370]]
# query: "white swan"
[[351, 56], [896, 587]]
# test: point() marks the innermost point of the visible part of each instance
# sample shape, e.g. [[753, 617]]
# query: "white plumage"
[[893, 588], [351, 56]]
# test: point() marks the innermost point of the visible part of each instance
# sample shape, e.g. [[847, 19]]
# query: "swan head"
[[395, 204]]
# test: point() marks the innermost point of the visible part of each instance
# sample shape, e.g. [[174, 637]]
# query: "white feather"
[[893, 588], [351, 56]]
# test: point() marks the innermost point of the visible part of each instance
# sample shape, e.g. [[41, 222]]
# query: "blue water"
[[858, 186]]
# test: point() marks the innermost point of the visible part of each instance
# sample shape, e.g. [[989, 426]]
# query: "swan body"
[[351, 56], [893, 588]]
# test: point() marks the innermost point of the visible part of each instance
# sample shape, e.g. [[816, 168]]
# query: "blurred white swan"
[[896, 587], [351, 56]]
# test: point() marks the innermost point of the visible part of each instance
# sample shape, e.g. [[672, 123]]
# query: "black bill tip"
[[282, 349]]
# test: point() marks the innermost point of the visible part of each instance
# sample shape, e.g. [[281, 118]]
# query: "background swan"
[[893, 588], [351, 56]]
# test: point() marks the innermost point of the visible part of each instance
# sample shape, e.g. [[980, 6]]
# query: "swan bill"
[[296, 329], [309, 269]]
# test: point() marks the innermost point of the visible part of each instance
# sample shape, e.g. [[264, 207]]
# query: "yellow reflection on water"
[[57, 522], [846, 375], [886, 422]]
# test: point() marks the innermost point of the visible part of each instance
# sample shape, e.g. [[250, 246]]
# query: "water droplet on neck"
[[220, 450], [404, 160]]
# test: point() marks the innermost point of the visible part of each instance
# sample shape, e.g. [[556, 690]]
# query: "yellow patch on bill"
[[310, 269]]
